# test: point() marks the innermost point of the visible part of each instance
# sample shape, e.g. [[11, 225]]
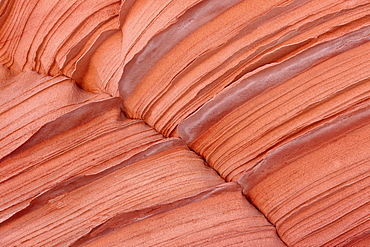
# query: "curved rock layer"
[[30, 100], [323, 183], [223, 209], [184, 123]]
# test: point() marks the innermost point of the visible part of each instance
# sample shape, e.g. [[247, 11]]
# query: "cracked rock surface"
[[184, 123]]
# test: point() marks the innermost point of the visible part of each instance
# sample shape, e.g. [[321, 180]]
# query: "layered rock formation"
[[184, 123]]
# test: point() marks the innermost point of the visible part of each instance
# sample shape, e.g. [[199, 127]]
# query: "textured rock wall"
[[184, 123]]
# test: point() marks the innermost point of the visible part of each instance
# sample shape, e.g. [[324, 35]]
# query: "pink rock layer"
[[184, 123]]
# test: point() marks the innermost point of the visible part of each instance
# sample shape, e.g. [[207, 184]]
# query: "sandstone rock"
[[55, 208], [29, 100], [184, 123], [261, 111], [315, 189], [229, 220]]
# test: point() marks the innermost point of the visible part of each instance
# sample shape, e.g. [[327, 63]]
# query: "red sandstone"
[[184, 123]]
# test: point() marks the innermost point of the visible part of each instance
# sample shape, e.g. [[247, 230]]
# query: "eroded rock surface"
[[184, 123]]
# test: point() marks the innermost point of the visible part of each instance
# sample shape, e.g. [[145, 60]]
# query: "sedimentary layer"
[[184, 123]]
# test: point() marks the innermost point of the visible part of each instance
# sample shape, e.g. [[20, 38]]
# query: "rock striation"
[[184, 123]]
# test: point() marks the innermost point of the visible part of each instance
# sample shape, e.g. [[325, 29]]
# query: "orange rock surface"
[[184, 123]]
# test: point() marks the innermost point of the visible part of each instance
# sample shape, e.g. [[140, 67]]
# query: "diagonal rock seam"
[[48, 131], [77, 76]]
